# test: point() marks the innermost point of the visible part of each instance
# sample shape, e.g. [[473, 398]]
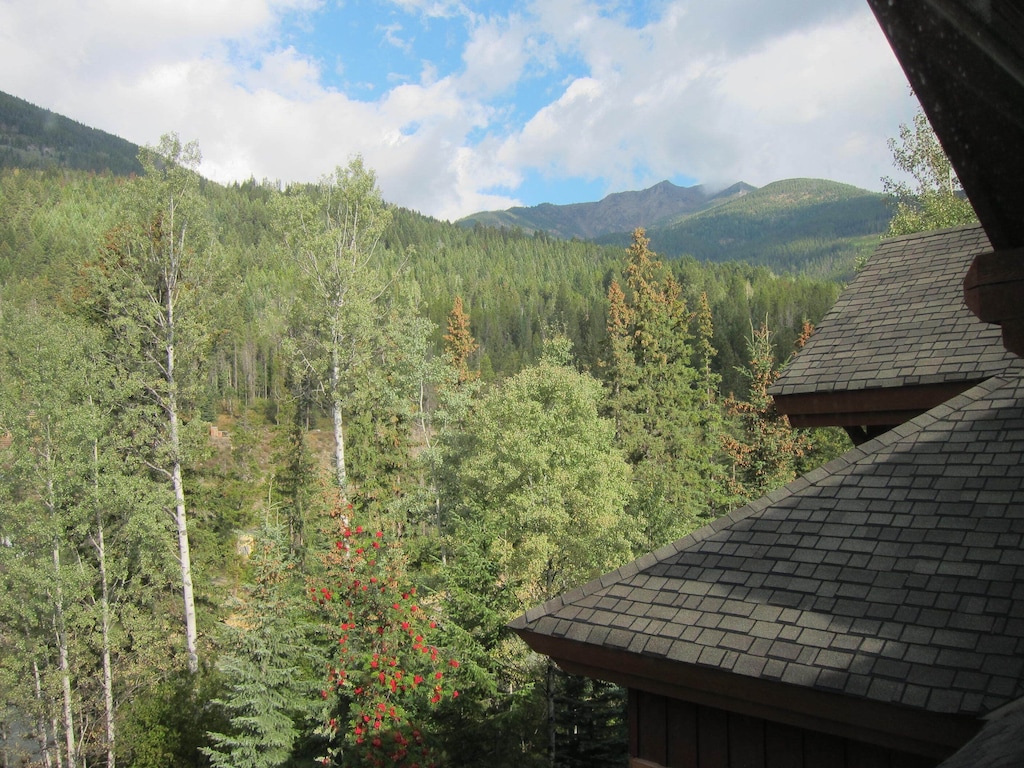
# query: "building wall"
[[677, 734]]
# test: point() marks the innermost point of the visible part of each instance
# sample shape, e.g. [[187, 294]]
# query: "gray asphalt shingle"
[[902, 322], [912, 595]]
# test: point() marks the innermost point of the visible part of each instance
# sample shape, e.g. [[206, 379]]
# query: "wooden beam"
[[965, 62], [866, 407]]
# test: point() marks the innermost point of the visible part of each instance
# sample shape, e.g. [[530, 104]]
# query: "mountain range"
[[618, 212], [810, 226]]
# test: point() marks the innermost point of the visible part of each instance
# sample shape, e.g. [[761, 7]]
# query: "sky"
[[476, 105]]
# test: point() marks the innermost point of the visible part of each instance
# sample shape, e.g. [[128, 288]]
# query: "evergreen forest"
[[278, 463]]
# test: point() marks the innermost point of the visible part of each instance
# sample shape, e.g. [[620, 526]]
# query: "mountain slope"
[[618, 212], [797, 225], [32, 137]]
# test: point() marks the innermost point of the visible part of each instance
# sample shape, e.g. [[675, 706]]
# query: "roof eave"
[[965, 62], [867, 407], [930, 734]]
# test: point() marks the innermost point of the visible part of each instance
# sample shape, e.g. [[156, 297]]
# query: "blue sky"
[[467, 106]]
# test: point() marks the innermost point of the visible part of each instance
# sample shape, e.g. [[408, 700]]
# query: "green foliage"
[[536, 493], [385, 676], [535, 470], [164, 724], [504, 488], [333, 232], [936, 201], [767, 451], [656, 397], [591, 724], [266, 663]]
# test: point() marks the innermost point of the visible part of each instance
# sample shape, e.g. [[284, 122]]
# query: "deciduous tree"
[[334, 233], [143, 292], [387, 674], [936, 199]]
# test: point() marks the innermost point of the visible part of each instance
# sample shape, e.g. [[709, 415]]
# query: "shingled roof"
[[998, 745], [898, 341], [893, 575]]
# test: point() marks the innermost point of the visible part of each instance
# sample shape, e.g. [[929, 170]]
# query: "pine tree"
[[591, 723]]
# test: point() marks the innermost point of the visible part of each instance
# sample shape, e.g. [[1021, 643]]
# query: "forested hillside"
[[31, 137], [618, 212], [278, 465], [798, 226]]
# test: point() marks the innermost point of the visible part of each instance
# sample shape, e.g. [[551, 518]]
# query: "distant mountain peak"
[[617, 212]]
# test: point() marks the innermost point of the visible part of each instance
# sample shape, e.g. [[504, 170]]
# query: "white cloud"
[[736, 89], [497, 53]]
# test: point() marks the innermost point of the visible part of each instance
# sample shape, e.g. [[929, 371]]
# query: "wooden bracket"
[[994, 292]]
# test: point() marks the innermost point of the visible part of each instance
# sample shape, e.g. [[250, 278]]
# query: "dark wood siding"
[[677, 734]]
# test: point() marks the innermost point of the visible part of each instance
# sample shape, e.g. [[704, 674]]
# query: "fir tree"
[[655, 397], [767, 452], [591, 729], [459, 343], [267, 664]]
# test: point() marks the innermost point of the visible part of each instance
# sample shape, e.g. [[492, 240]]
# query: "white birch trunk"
[[101, 557], [339, 429], [62, 660], [180, 516], [43, 738], [60, 636]]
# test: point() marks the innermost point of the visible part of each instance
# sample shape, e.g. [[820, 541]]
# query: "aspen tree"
[[145, 297]]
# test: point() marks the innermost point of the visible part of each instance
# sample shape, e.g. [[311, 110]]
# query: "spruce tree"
[[267, 663], [767, 452], [655, 397]]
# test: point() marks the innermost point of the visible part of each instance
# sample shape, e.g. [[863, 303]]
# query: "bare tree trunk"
[[339, 431], [43, 738], [60, 635], [550, 692], [180, 516], [62, 656], [184, 554], [55, 730], [101, 557], [108, 675]]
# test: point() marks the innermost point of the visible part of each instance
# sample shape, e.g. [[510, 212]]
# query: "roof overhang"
[[965, 61], [929, 734], [867, 407]]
